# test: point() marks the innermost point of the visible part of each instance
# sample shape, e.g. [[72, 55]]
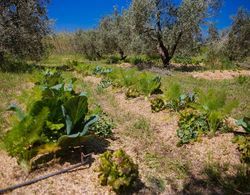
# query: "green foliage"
[[143, 83], [132, 93], [113, 60], [24, 26], [191, 125], [243, 146], [157, 104], [105, 83], [103, 127], [128, 77], [101, 70], [215, 105], [148, 84], [215, 58], [117, 170], [72, 63], [220, 176], [241, 79], [176, 100], [182, 60], [135, 60], [237, 46], [19, 141], [243, 141], [245, 123], [56, 115]]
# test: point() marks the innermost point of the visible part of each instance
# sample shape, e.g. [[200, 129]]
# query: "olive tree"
[[166, 23], [238, 45], [213, 34], [88, 43], [23, 25], [115, 34]]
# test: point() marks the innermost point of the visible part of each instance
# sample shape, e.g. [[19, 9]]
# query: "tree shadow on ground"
[[16, 67], [219, 181], [186, 68], [167, 71], [23, 67], [139, 188]]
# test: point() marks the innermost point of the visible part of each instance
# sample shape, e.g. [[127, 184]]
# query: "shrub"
[[135, 60], [112, 60], [117, 170], [72, 63], [182, 60]]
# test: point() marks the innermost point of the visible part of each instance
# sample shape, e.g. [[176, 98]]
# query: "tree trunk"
[[1, 57], [163, 51], [122, 56], [165, 57]]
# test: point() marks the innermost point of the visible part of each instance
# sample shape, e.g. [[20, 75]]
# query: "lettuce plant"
[[117, 170]]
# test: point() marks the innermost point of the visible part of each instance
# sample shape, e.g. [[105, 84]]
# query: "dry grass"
[[220, 74]]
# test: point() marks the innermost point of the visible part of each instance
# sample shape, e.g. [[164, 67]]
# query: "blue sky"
[[70, 15]]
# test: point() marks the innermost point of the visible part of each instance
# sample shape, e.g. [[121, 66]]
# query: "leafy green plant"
[[135, 60], [215, 105], [148, 84], [105, 83], [72, 63], [117, 170], [176, 100], [103, 127], [101, 70], [113, 60], [241, 79], [157, 104], [182, 60], [128, 77], [243, 146], [56, 117], [191, 125], [132, 93], [245, 123]]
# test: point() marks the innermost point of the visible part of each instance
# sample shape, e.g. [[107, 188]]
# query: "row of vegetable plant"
[[136, 83], [56, 117]]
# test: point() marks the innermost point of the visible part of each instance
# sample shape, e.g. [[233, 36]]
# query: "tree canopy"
[[23, 25]]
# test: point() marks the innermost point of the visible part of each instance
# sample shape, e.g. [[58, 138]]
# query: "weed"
[[237, 183]]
